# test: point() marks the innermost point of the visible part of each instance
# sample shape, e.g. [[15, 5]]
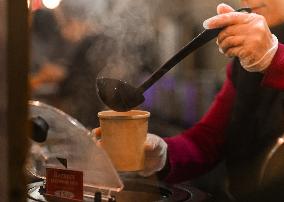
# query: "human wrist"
[[155, 155], [264, 61]]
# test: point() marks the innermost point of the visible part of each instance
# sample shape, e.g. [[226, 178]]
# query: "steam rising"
[[131, 24], [134, 25], [143, 33]]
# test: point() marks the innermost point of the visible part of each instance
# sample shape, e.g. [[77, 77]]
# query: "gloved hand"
[[155, 155], [155, 152], [246, 36]]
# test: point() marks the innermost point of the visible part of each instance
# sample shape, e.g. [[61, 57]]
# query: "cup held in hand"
[[123, 138]]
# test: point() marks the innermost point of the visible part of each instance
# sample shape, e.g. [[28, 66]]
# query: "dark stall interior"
[[67, 45]]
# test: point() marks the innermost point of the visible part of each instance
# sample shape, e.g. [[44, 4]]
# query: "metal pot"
[[135, 190]]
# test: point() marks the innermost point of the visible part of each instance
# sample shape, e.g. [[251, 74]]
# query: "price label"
[[65, 184]]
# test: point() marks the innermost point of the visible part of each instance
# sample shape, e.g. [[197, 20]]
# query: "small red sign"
[[66, 184]]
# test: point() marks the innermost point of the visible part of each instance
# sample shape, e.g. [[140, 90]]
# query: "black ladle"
[[120, 96]]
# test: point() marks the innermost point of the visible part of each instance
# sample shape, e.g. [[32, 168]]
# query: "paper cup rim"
[[132, 114]]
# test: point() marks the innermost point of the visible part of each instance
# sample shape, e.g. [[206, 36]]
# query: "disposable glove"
[[155, 154], [246, 36]]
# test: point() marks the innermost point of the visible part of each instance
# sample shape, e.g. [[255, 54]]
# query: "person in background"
[[85, 44], [47, 65], [67, 50], [247, 114]]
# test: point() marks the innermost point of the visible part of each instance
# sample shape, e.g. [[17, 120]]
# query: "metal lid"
[[69, 140]]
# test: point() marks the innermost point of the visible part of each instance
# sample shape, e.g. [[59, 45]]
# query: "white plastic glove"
[[155, 155], [155, 152], [246, 36]]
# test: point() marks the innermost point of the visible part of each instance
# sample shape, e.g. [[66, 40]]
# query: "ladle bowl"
[[118, 95]]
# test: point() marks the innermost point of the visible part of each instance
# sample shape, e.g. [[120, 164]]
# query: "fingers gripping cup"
[[123, 138]]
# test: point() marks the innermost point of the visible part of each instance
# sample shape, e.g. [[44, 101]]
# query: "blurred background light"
[[51, 4], [34, 4]]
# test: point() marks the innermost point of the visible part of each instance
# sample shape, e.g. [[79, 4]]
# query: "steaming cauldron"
[[139, 190]]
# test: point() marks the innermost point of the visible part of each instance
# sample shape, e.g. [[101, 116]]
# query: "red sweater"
[[198, 149]]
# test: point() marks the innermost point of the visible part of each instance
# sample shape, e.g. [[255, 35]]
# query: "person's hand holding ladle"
[[120, 96]]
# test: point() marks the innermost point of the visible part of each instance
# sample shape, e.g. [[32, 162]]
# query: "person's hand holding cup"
[[150, 151]]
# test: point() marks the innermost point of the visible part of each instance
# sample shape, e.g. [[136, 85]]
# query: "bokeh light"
[[51, 4]]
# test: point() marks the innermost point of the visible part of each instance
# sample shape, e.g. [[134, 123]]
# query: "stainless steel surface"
[[273, 163]]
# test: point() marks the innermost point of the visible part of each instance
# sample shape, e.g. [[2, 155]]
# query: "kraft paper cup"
[[123, 138]]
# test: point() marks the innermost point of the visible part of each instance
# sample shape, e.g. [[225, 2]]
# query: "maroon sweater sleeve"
[[198, 149], [274, 75]]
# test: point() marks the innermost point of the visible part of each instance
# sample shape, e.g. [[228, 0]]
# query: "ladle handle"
[[204, 37]]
